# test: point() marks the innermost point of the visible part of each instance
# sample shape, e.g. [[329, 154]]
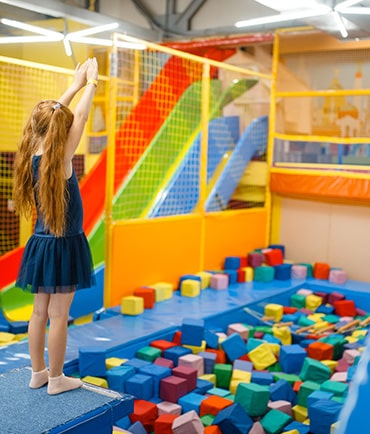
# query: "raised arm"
[[85, 75]]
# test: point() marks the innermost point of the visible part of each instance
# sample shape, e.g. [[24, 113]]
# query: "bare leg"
[[36, 340], [59, 306]]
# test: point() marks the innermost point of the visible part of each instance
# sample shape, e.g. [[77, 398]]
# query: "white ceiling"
[[161, 20]]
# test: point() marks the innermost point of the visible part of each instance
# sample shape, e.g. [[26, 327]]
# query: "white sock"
[[39, 379], [62, 384]]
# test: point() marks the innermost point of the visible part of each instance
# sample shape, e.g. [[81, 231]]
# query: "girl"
[[57, 259]]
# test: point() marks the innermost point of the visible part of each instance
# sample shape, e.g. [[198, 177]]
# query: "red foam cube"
[[345, 308], [163, 424], [148, 294], [274, 257], [321, 270]]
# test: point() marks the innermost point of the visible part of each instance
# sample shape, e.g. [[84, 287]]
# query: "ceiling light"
[[93, 30], [26, 39], [356, 11], [67, 47], [289, 16], [340, 24], [288, 5], [346, 4], [33, 29]]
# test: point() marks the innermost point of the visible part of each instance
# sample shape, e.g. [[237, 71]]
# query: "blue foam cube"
[[118, 375], [203, 386], [191, 401], [264, 378], [299, 426], [91, 361], [157, 373], [232, 262], [234, 346], [174, 353], [283, 271], [233, 419], [137, 428], [137, 363], [192, 331], [211, 339], [282, 390], [232, 275], [243, 365], [209, 361], [291, 358], [322, 414], [140, 386]]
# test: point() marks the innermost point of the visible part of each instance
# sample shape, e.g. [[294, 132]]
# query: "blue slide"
[[181, 195]]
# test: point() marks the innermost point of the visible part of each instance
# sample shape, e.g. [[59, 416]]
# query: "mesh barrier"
[[323, 107], [161, 116]]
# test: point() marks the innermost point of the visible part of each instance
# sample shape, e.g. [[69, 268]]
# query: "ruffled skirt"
[[56, 265]]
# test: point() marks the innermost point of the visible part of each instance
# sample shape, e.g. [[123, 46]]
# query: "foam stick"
[[348, 326]]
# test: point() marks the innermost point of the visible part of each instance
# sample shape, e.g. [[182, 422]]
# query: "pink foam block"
[[299, 272], [238, 328], [193, 361], [161, 361], [350, 355], [257, 429], [219, 281], [255, 259], [166, 407], [281, 405], [304, 291], [335, 296], [188, 423], [337, 276], [340, 377], [342, 366]]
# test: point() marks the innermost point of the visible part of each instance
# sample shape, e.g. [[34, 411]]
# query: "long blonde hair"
[[48, 124]]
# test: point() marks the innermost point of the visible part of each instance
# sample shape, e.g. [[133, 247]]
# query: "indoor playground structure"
[[226, 203]]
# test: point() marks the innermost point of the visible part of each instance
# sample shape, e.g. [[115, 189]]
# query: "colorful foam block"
[[219, 281], [234, 346], [205, 279], [264, 273], [190, 288], [274, 311], [190, 374], [172, 388], [163, 423], [193, 361], [132, 305], [323, 414], [188, 423], [97, 381], [147, 294], [321, 270], [91, 361], [166, 407], [253, 398], [141, 386], [320, 351], [163, 291], [192, 331], [232, 262], [175, 353], [144, 412], [148, 353], [255, 259], [274, 421], [233, 419], [283, 271], [248, 274], [118, 375], [191, 401], [213, 405], [314, 370], [298, 272], [157, 373], [337, 276], [291, 358]]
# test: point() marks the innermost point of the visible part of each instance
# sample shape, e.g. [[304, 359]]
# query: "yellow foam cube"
[[331, 364], [238, 374], [299, 413], [282, 333], [6, 338], [233, 385], [209, 377], [96, 381], [359, 333], [275, 348], [205, 279], [195, 348], [132, 305], [262, 357], [190, 288], [313, 302], [163, 291], [249, 274], [351, 339], [316, 317], [274, 310], [320, 325], [111, 362], [292, 431]]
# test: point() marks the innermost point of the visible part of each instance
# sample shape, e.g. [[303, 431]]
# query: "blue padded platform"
[[82, 411]]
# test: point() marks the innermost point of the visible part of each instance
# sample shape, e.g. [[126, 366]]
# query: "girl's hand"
[[80, 77], [92, 69]]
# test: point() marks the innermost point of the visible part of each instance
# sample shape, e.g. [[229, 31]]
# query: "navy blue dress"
[[53, 264]]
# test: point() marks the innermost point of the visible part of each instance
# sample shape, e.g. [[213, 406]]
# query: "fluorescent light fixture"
[[288, 5], [289, 16], [346, 4], [56, 36], [67, 47], [356, 11], [92, 31], [109, 43], [26, 39], [340, 24]]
